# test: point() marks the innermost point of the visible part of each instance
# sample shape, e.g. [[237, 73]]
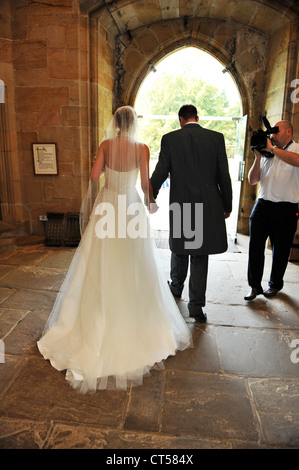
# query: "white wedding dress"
[[114, 317]]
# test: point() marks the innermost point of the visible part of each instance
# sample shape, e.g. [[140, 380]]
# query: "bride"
[[114, 317]]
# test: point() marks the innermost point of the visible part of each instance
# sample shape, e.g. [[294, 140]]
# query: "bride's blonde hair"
[[125, 119]]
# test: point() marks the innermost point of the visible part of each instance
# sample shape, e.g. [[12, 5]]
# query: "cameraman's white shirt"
[[279, 181]]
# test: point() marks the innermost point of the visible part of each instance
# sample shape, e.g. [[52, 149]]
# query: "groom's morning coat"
[[195, 158]]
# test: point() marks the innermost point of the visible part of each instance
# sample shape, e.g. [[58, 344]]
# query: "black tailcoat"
[[195, 158]]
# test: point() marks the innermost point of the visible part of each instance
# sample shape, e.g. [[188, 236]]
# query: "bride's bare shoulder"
[[105, 143], [143, 146]]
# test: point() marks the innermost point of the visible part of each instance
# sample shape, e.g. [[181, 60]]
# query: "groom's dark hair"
[[188, 111]]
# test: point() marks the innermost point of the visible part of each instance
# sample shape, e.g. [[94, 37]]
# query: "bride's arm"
[[144, 174], [99, 164]]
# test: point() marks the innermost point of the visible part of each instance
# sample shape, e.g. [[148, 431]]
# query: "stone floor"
[[236, 389]]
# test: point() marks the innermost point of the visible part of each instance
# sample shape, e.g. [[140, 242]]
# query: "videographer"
[[276, 210]]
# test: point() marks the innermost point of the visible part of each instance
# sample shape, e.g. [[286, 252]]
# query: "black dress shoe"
[[175, 294], [252, 294], [270, 292], [199, 317]]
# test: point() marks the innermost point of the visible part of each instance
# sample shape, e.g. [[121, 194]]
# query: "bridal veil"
[[114, 317]]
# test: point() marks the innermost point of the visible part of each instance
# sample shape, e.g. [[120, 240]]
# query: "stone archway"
[[225, 41], [178, 70], [132, 90]]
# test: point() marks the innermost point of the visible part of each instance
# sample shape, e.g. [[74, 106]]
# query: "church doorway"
[[191, 75]]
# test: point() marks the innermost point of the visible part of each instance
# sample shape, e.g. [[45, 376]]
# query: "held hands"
[[151, 205]]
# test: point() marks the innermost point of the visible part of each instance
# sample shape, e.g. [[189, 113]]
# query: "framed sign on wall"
[[45, 159]]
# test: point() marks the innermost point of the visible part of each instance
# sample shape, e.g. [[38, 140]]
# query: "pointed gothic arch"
[[222, 56]]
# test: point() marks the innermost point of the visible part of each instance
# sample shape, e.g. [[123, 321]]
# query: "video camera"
[[259, 138]]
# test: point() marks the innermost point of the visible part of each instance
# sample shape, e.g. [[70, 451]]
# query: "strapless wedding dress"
[[114, 317]]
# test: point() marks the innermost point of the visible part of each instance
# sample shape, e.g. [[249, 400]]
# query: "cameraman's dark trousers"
[[278, 221]]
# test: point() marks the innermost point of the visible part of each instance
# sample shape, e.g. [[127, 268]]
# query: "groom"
[[200, 186]]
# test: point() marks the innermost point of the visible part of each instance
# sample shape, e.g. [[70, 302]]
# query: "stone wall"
[[282, 68], [49, 69], [105, 80], [10, 188], [275, 76], [51, 91]]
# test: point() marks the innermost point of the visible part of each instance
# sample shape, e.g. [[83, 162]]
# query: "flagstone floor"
[[237, 388]]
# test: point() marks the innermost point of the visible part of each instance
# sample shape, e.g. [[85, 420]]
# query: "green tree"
[[168, 93]]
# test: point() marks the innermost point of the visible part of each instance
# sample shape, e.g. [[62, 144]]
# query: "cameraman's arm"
[[254, 172], [291, 158], [288, 157]]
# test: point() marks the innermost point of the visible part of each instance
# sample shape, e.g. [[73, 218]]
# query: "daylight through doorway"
[[192, 76]]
